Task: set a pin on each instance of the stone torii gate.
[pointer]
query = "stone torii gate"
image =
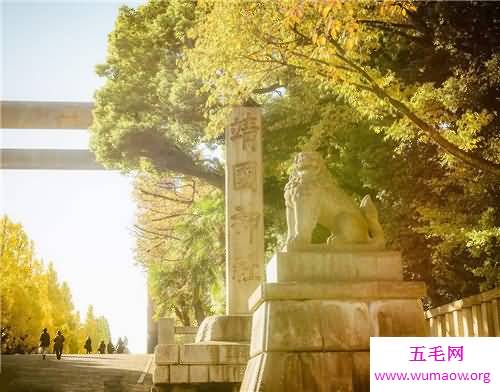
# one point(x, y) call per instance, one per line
point(54, 116)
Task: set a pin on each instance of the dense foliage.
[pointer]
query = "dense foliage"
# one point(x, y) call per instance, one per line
point(401, 98)
point(95, 327)
point(32, 298)
point(148, 115)
point(180, 240)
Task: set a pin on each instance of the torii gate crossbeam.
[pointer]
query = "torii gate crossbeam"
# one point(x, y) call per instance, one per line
point(46, 115)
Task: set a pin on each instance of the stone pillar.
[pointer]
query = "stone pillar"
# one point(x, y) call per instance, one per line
point(152, 326)
point(244, 208)
point(166, 330)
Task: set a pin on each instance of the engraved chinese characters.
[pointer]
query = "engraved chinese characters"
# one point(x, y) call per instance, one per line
point(244, 222)
point(245, 125)
point(243, 272)
point(245, 176)
point(244, 208)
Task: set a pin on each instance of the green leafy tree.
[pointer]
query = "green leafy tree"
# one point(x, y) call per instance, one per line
point(147, 115)
point(399, 97)
point(354, 49)
point(421, 74)
point(180, 240)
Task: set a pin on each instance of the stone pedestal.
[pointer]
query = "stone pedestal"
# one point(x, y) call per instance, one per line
point(200, 363)
point(313, 319)
point(217, 359)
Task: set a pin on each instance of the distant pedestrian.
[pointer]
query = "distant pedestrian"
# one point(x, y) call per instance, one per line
point(44, 343)
point(58, 344)
point(102, 347)
point(119, 346)
point(125, 345)
point(111, 348)
point(88, 345)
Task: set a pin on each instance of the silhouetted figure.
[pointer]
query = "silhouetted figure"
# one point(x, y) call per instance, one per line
point(18, 348)
point(21, 347)
point(125, 345)
point(119, 346)
point(44, 343)
point(111, 348)
point(102, 347)
point(58, 344)
point(88, 345)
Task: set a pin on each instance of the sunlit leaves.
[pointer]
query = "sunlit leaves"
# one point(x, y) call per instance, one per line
point(32, 296)
point(419, 78)
point(346, 47)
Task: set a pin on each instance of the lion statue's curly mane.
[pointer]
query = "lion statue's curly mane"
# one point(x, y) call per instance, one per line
point(312, 196)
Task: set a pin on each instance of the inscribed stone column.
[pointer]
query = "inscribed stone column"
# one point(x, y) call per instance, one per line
point(244, 208)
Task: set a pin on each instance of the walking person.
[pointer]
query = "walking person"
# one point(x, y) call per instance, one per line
point(44, 343)
point(102, 347)
point(58, 344)
point(125, 345)
point(111, 348)
point(119, 346)
point(88, 345)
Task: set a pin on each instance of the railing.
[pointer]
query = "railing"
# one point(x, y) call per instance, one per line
point(478, 315)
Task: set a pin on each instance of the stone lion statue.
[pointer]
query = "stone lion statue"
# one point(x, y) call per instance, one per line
point(312, 196)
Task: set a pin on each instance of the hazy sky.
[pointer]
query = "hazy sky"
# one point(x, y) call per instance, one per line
point(80, 220)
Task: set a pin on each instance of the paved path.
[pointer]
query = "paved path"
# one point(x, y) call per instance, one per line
point(75, 373)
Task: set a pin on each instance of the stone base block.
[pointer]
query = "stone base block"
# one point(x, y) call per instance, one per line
point(316, 337)
point(161, 374)
point(220, 364)
point(310, 371)
point(198, 374)
point(179, 374)
point(202, 353)
point(225, 329)
point(166, 354)
point(364, 291)
point(214, 353)
point(332, 325)
point(317, 267)
point(226, 373)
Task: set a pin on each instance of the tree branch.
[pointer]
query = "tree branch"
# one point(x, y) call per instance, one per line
point(156, 233)
point(468, 158)
point(152, 194)
point(153, 145)
point(388, 24)
point(268, 89)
